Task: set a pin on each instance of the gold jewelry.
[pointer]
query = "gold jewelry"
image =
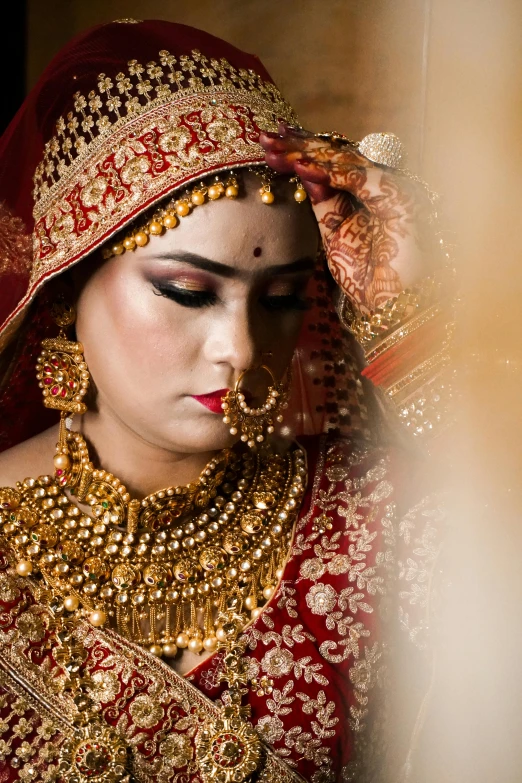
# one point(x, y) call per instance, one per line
point(268, 177)
point(370, 328)
point(158, 585)
point(167, 217)
point(61, 369)
point(250, 421)
point(385, 149)
point(63, 377)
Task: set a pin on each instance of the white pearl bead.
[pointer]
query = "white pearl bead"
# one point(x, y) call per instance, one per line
point(24, 568)
point(210, 643)
point(71, 603)
point(97, 618)
point(182, 641)
point(195, 644)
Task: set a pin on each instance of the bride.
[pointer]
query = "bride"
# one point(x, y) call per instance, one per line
point(207, 536)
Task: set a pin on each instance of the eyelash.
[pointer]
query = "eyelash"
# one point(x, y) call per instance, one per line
point(199, 299)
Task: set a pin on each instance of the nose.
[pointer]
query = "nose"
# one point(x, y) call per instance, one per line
point(233, 342)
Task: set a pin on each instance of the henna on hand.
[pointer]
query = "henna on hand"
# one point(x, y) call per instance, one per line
point(369, 216)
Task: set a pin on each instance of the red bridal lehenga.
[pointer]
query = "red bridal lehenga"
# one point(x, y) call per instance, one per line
point(129, 114)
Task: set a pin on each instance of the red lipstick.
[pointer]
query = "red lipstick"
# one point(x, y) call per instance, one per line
point(212, 401)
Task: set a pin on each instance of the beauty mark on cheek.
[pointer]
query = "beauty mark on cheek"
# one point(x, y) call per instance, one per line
point(257, 252)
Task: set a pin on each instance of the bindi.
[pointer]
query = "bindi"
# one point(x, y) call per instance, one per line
point(257, 252)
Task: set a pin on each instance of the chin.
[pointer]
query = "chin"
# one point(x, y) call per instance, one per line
point(199, 436)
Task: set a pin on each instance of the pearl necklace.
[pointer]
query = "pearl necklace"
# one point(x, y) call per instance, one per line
point(186, 552)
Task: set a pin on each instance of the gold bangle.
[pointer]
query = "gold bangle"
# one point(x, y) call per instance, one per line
point(370, 328)
point(419, 374)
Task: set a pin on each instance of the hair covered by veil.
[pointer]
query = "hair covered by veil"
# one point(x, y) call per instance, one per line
point(125, 115)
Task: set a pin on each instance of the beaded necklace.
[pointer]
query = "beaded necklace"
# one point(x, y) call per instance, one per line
point(216, 545)
point(158, 570)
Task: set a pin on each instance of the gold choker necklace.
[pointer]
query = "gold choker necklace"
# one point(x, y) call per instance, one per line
point(158, 570)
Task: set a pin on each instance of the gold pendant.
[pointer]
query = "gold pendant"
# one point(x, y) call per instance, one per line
point(97, 755)
point(228, 751)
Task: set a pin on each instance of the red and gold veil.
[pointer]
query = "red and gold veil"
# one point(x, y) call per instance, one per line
point(126, 114)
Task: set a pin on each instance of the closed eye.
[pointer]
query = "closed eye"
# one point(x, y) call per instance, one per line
point(204, 298)
point(186, 297)
point(292, 301)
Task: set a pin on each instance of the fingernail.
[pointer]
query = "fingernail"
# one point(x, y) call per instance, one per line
point(294, 130)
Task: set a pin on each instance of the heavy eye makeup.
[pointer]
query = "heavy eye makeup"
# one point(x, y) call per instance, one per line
point(186, 290)
point(275, 296)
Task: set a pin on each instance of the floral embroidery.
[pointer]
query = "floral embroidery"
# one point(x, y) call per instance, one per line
point(9, 592)
point(106, 686)
point(271, 728)
point(277, 662)
point(31, 626)
point(177, 749)
point(420, 529)
point(321, 599)
point(339, 564)
point(146, 712)
point(312, 569)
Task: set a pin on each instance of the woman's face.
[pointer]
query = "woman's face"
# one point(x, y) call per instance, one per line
point(183, 316)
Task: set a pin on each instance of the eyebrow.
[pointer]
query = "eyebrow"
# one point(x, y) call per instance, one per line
point(305, 264)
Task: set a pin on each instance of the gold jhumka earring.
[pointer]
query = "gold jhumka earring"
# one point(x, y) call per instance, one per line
point(64, 379)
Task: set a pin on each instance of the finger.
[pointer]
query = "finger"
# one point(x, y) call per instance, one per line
point(315, 181)
point(282, 163)
point(294, 131)
point(273, 141)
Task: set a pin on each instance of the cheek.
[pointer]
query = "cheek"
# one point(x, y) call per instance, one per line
point(130, 333)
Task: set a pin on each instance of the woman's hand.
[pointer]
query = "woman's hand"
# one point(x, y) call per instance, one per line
point(370, 217)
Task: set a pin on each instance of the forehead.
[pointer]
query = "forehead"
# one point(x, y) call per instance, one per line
point(245, 233)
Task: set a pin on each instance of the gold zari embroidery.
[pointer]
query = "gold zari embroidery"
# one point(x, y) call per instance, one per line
point(138, 137)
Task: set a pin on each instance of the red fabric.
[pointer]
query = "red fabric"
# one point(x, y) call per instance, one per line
point(319, 638)
point(102, 49)
point(400, 359)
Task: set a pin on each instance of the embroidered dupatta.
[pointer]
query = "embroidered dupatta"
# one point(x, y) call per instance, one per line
point(323, 640)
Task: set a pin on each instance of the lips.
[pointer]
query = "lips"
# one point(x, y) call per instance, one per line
point(212, 401)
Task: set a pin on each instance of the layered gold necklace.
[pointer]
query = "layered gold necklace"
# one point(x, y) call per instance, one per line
point(161, 569)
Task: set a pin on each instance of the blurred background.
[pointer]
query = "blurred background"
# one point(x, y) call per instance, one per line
point(445, 76)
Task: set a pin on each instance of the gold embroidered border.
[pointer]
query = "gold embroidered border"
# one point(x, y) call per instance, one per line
point(27, 680)
point(120, 97)
point(142, 161)
point(275, 769)
point(11, 681)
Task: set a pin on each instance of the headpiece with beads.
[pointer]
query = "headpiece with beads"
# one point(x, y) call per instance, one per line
point(167, 215)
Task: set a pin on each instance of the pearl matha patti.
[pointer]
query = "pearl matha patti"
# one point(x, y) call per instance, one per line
point(168, 215)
